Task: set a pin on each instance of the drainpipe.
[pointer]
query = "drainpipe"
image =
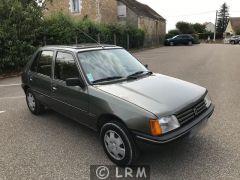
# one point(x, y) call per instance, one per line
point(98, 10)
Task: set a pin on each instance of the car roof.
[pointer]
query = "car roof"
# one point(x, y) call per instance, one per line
point(80, 47)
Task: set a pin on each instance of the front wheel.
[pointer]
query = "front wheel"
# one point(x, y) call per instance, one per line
point(190, 43)
point(33, 104)
point(118, 144)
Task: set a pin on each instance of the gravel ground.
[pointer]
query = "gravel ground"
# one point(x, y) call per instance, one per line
point(53, 147)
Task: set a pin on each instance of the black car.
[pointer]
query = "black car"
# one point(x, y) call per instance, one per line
point(184, 39)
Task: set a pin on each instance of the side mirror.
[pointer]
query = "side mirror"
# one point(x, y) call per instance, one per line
point(146, 66)
point(75, 82)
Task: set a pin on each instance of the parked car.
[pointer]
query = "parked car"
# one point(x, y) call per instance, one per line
point(184, 39)
point(234, 40)
point(111, 92)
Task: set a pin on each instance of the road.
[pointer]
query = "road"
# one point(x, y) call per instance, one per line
point(53, 147)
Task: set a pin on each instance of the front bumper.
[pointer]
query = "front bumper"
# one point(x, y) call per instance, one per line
point(176, 133)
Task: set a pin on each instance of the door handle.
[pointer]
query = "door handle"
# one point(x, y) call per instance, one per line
point(54, 88)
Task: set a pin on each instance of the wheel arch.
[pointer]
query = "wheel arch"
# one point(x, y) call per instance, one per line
point(105, 118)
point(25, 88)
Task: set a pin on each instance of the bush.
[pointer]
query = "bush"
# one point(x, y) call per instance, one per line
point(62, 29)
point(19, 25)
point(22, 30)
point(204, 36)
point(238, 32)
point(172, 33)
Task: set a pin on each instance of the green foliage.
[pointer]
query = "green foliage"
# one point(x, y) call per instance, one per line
point(199, 28)
point(172, 33)
point(204, 36)
point(62, 29)
point(20, 22)
point(23, 29)
point(238, 32)
point(223, 18)
point(185, 28)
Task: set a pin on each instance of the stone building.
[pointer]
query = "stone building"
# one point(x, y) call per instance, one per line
point(132, 12)
point(129, 12)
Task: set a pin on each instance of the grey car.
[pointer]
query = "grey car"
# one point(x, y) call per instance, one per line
point(111, 92)
point(234, 40)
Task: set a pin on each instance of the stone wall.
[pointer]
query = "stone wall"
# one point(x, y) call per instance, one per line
point(97, 10)
point(155, 30)
point(131, 18)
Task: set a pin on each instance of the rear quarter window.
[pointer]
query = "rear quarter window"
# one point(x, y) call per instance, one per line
point(42, 63)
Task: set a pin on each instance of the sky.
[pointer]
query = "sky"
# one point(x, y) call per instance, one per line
point(191, 10)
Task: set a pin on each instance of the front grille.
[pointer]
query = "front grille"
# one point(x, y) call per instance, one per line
point(192, 112)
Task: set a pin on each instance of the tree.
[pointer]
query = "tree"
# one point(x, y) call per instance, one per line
point(20, 22)
point(223, 18)
point(199, 28)
point(185, 28)
point(172, 33)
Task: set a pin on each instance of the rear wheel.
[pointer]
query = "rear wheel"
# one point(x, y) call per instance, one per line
point(33, 104)
point(171, 43)
point(232, 42)
point(118, 144)
point(190, 43)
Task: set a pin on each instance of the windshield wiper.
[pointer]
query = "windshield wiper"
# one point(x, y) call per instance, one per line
point(107, 79)
point(135, 75)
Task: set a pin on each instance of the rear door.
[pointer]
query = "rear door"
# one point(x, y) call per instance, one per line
point(40, 76)
point(71, 101)
point(185, 39)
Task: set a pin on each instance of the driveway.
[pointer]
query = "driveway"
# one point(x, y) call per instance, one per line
point(53, 147)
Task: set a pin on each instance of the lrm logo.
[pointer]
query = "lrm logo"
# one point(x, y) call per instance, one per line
point(106, 172)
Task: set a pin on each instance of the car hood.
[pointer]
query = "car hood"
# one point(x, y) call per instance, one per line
point(159, 94)
point(169, 39)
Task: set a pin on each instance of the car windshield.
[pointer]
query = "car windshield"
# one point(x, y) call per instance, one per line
point(109, 64)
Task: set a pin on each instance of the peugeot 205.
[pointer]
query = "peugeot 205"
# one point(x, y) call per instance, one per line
point(110, 91)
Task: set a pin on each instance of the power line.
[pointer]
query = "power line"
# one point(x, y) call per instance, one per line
point(206, 12)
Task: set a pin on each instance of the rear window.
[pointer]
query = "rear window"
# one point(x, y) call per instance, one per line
point(43, 63)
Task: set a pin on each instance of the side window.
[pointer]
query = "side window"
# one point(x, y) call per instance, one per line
point(65, 66)
point(45, 63)
point(35, 63)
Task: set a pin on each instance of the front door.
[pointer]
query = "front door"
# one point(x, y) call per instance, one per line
point(71, 101)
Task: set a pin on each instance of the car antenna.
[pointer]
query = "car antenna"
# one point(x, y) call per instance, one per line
point(91, 38)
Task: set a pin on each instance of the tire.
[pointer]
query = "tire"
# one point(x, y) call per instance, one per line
point(232, 42)
point(33, 104)
point(118, 144)
point(171, 43)
point(190, 43)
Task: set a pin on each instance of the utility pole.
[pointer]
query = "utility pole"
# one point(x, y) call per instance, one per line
point(215, 29)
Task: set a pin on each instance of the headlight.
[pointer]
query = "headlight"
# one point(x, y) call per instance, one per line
point(168, 124)
point(208, 100)
point(163, 125)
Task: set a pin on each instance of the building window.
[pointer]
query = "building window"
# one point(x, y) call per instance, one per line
point(76, 6)
point(122, 10)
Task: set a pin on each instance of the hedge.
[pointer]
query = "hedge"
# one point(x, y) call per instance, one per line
point(61, 29)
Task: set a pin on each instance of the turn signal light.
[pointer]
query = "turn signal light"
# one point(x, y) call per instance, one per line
point(155, 127)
